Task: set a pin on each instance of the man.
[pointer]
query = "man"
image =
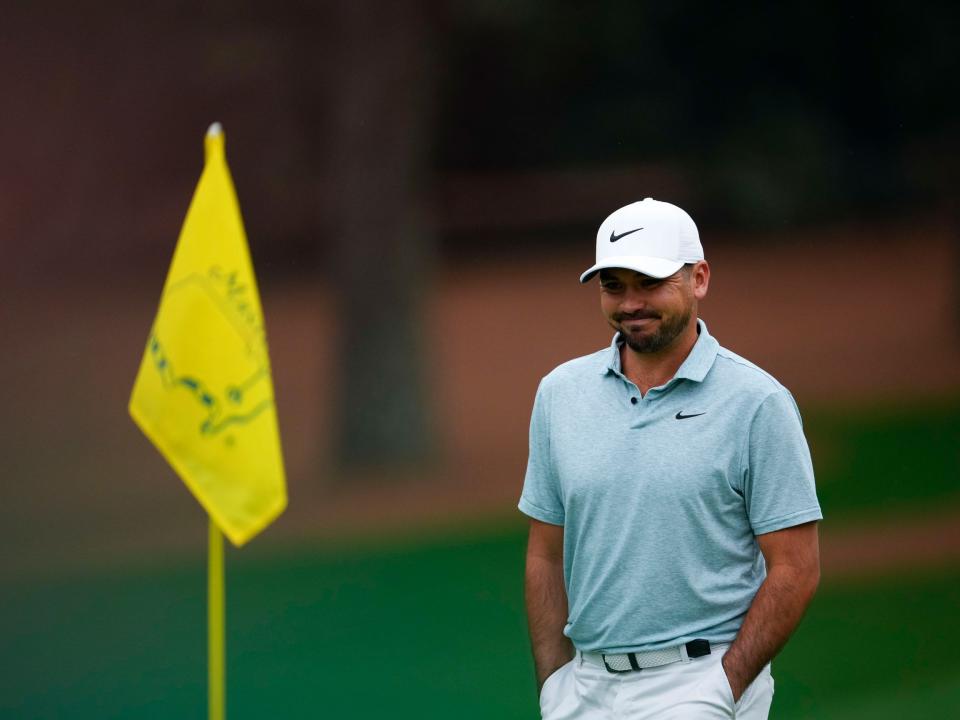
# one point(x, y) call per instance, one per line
point(673, 537)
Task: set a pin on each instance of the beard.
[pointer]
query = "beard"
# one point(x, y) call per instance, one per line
point(652, 341)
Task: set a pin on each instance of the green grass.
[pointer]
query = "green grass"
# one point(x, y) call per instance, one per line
point(424, 629)
point(880, 650)
point(886, 461)
point(434, 627)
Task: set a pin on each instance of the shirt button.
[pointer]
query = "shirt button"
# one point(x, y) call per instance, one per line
point(633, 400)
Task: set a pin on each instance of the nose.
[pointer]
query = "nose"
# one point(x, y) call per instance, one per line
point(633, 299)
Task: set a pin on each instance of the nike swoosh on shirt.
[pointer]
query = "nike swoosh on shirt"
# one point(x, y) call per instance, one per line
point(681, 416)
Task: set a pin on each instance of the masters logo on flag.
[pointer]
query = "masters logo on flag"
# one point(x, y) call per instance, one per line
point(204, 394)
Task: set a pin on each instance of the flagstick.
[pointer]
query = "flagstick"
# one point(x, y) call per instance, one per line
point(215, 625)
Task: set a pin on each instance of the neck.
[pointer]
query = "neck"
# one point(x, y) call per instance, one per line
point(649, 370)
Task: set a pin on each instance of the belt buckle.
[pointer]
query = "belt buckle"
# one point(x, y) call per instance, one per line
point(697, 648)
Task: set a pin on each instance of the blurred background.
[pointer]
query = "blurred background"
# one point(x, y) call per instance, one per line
point(421, 184)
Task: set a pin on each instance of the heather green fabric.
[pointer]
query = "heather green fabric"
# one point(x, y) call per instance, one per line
point(661, 496)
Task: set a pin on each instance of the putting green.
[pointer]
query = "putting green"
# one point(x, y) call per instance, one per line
point(417, 629)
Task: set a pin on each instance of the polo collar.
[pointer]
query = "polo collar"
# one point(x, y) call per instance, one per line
point(695, 367)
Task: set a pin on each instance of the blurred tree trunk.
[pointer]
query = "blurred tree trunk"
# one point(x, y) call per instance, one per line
point(383, 242)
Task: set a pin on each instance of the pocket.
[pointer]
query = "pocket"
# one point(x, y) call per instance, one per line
point(764, 676)
point(550, 682)
point(727, 690)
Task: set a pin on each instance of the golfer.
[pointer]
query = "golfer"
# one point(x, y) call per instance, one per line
point(673, 515)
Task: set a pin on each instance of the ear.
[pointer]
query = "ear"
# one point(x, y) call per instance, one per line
point(700, 278)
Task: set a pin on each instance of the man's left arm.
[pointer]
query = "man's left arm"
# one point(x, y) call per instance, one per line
point(792, 556)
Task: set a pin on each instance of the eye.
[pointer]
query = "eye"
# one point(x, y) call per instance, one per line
point(611, 286)
point(651, 283)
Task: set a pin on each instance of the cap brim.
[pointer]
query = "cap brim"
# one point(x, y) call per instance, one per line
point(652, 266)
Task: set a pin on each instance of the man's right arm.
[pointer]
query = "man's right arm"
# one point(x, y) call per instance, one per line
point(546, 599)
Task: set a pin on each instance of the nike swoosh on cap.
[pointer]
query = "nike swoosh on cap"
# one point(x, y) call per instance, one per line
point(614, 237)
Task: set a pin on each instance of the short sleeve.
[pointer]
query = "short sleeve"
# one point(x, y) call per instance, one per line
point(541, 498)
point(778, 484)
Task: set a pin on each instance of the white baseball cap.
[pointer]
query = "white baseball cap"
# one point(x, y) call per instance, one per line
point(652, 237)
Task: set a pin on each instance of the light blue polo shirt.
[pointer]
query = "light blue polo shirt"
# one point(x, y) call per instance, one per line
point(661, 496)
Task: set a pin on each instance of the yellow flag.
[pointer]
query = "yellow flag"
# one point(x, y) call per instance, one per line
point(204, 393)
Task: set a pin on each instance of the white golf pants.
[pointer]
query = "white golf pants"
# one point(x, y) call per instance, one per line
point(690, 690)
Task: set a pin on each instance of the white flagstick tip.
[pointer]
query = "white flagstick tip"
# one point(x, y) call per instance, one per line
point(215, 129)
